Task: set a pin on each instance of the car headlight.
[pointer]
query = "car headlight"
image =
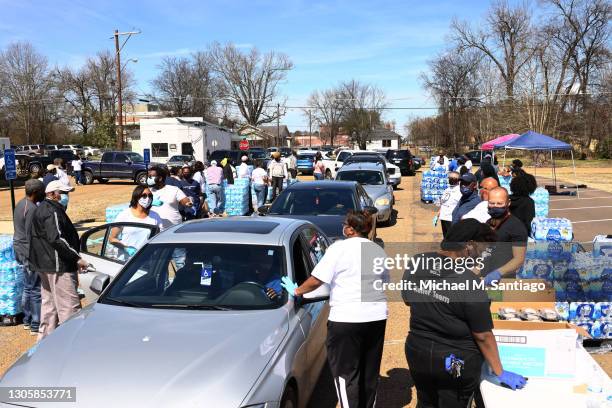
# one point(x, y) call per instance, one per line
point(382, 201)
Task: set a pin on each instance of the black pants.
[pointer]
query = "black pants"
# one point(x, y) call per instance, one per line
point(445, 227)
point(435, 387)
point(354, 351)
point(277, 186)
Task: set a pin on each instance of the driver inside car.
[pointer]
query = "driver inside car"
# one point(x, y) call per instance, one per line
point(270, 279)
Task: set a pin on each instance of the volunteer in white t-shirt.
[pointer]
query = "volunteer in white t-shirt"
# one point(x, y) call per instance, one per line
point(77, 166)
point(166, 199)
point(358, 311)
point(128, 240)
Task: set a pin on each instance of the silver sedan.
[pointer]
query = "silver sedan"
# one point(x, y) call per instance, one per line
point(197, 318)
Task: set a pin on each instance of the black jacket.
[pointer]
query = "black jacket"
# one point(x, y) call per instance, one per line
point(54, 245)
point(523, 208)
point(228, 174)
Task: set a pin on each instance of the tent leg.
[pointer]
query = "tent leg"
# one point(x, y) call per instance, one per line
point(552, 169)
point(575, 175)
point(504, 161)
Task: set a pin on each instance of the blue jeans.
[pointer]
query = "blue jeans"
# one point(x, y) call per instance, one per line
point(318, 176)
point(77, 177)
point(215, 196)
point(261, 191)
point(30, 300)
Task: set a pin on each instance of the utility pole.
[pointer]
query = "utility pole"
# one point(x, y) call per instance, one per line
point(310, 128)
point(119, 88)
point(278, 125)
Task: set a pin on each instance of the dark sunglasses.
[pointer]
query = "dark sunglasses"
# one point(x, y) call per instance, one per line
point(146, 195)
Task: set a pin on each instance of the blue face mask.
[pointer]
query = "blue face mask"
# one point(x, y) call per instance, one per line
point(64, 200)
point(465, 191)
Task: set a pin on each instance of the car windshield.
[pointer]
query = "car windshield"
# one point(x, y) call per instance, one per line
point(306, 156)
point(258, 154)
point(135, 157)
point(369, 177)
point(328, 201)
point(201, 276)
point(400, 154)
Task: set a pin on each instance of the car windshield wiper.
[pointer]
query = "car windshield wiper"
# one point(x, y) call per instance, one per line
point(198, 307)
point(123, 302)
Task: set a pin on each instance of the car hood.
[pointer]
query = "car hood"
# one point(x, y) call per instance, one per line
point(375, 191)
point(121, 356)
point(330, 224)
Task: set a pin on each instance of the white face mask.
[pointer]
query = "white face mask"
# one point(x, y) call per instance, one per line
point(150, 181)
point(145, 202)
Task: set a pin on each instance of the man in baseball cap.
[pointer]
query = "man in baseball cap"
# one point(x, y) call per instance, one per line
point(54, 255)
point(50, 175)
point(468, 185)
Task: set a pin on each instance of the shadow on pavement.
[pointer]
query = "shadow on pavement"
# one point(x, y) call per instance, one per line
point(394, 389)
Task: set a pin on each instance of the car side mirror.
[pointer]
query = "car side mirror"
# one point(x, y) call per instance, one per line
point(263, 210)
point(320, 294)
point(99, 283)
point(370, 210)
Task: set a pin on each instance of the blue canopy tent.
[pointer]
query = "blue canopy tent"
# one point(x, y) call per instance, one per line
point(534, 141)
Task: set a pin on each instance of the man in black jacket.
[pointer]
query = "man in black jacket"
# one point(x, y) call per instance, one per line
point(54, 255)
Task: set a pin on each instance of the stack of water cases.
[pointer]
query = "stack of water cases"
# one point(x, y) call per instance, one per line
point(594, 317)
point(11, 278)
point(237, 197)
point(113, 211)
point(541, 199)
point(286, 184)
point(433, 184)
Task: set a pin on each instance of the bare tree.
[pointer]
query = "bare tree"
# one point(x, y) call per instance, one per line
point(363, 108)
point(26, 84)
point(250, 80)
point(75, 85)
point(505, 40)
point(328, 110)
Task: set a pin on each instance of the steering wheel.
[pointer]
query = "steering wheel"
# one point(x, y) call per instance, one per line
point(254, 288)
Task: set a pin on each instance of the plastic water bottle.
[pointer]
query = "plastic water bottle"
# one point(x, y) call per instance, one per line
point(595, 395)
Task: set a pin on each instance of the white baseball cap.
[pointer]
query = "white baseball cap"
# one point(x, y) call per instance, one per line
point(56, 185)
point(51, 167)
point(244, 158)
point(213, 163)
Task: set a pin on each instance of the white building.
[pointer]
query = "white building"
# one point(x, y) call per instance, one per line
point(382, 139)
point(187, 135)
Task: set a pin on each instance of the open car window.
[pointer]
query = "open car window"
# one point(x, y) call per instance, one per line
point(202, 276)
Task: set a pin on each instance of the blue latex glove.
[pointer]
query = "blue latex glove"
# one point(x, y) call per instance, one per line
point(157, 203)
point(512, 380)
point(435, 220)
point(491, 277)
point(289, 285)
point(130, 250)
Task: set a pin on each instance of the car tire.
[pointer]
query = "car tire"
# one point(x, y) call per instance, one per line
point(35, 168)
point(141, 178)
point(289, 399)
point(103, 180)
point(88, 177)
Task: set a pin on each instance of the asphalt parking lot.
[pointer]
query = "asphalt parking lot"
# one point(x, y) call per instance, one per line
point(412, 223)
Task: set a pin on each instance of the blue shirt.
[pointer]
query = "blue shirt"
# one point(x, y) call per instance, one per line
point(453, 165)
point(192, 189)
point(465, 205)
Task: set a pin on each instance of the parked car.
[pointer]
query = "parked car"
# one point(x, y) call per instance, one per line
point(120, 165)
point(52, 147)
point(91, 151)
point(392, 171)
point(323, 203)
point(373, 178)
point(179, 160)
point(476, 156)
point(305, 161)
point(403, 159)
point(236, 155)
point(418, 162)
point(204, 331)
point(76, 149)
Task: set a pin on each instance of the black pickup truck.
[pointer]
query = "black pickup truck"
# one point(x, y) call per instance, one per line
point(33, 164)
point(116, 165)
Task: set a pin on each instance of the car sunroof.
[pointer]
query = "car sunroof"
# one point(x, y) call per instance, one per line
point(245, 227)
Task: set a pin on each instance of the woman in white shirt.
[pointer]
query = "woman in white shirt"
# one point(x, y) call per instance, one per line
point(358, 311)
point(128, 240)
point(259, 179)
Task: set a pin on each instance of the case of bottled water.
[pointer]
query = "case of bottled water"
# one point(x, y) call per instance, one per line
point(433, 184)
point(237, 197)
point(541, 198)
point(551, 229)
point(11, 278)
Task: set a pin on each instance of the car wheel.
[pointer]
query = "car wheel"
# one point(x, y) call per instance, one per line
point(141, 178)
point(88, 177)
point(328, 174)
point(289, 399)
point(35, 168)
point(103, 180)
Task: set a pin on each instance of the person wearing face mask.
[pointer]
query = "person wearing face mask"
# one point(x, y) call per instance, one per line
point(54, 255)
point(451, 334)
point(449, 200)
point(129, 239)
point(469, 196)
point(481, 211)
point(509, 253)
point(358, 311)
point(166, 199)
point(191, 188)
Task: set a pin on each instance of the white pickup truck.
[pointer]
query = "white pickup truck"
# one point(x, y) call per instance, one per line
point(333, 164)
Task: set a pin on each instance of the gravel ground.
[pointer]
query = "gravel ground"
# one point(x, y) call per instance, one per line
point(413, 220)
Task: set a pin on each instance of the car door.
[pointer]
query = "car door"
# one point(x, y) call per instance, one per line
point(313, 316)
point(106, 164)
point(103, 256)
point(122, 166)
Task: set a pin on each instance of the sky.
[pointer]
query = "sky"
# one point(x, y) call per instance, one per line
point(385, 43)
